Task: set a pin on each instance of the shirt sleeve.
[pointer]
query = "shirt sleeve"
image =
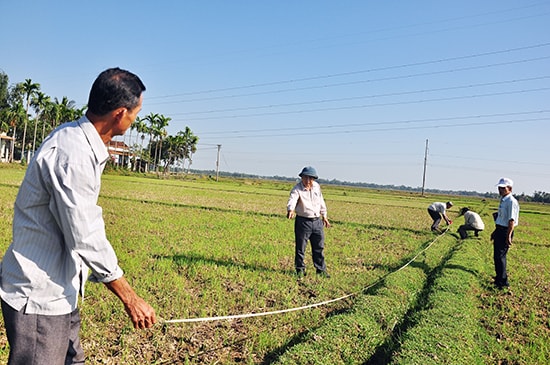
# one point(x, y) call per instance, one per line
point(293, 199)
point(323, 210)
point(75, 191)
point(515, 212)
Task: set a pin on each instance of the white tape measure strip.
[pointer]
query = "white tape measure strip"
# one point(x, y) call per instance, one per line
point(260, 314)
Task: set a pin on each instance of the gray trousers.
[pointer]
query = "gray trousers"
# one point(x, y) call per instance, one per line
point(436, 216)
point(306, 229)
point(38, 339)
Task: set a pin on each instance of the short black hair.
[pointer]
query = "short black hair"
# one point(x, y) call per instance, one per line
point(114, 88)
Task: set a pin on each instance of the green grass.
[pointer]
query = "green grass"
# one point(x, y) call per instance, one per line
point(197, 248)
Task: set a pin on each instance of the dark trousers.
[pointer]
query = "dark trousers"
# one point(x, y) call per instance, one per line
point(312, 230)
point(462, 230)
point(436, 216)
point(38, 339)
point(500, 249)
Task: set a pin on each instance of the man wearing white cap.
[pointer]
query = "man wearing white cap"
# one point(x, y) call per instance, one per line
point(506, 220)
point(438, 211)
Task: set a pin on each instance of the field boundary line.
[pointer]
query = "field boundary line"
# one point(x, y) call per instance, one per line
point(309, 306)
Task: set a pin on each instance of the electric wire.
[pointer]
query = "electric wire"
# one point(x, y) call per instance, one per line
point(348, 83)
point(349, 73)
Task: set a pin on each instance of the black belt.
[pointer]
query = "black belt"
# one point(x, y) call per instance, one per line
point(498, 226)
point(308, 219)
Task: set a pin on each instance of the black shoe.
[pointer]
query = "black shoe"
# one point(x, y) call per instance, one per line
point(323, 273)
point(502, 286)
point(300, 273)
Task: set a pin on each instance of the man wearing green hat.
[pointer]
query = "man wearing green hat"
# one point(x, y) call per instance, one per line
point(307, 205)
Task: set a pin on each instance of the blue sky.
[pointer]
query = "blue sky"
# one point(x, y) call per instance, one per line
point(354, 88)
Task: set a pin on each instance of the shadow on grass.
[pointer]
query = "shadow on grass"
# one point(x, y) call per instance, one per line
point(189, 260)
point(260, 214)
point(371, 289)
point(384, 352)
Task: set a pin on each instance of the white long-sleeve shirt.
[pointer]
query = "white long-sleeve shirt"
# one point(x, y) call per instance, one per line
point(473, 219)
point(307, 203)
point(58, 228)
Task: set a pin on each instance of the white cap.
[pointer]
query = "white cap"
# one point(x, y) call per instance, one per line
point(504, 181)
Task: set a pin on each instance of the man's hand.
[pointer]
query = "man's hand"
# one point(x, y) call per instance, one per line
point(508, 241)
point(290, 214)
point(141, 314)
point(326, 223)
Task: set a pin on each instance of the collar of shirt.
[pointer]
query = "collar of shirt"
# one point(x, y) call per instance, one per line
point(98, 147)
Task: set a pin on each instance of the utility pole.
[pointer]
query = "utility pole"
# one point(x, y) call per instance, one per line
point(425, 161)
point(218, 162)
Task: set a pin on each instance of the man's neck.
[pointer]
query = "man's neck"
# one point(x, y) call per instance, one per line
point(102, 125)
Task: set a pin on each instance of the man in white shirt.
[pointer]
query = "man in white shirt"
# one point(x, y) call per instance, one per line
point(438, 211)
point(307, 205)
point(472, 222)
point(506, 221)
point(59, 232)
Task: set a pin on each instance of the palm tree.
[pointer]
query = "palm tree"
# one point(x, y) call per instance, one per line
point(16, 114)
point(151, 118)
point(67, 110)
point(189, 145)
point(138, 125)
point(29, 89)
point(180, 148)
point(4, 126)
point(142, 129)
point(40, 103)
point(162, 123)
point(50, 116)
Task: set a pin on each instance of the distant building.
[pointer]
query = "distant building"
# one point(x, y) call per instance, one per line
point(6, 148)
point(120, 153)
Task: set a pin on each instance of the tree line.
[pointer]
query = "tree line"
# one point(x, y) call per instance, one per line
point(27, 116)
point(537, 197)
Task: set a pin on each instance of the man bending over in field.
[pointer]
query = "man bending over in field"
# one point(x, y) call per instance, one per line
point(438, 211)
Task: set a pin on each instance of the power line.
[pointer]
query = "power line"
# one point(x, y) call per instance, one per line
point(349, 73)
point(350, 98)
point(373, 105)
point(355, 131)
point(405, 121)
point(490, 160)
point(390, 78)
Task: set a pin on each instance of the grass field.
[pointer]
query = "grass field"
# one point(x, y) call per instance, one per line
point(196, 248)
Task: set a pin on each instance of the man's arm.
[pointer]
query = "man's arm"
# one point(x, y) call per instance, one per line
point(291, 204)
point(141, 313)
point(510, 231)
